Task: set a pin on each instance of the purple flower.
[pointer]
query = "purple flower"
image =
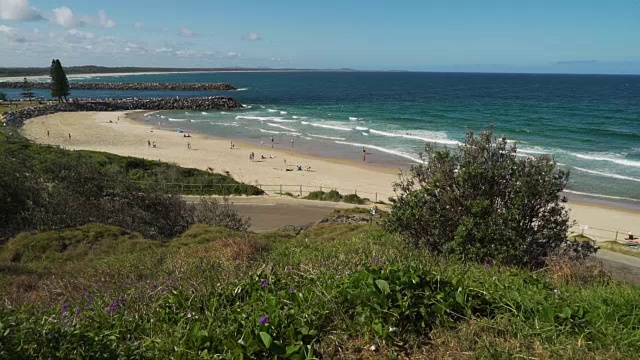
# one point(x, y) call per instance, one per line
point(78, 311)
point(264, 283)
point(114, 306)
point(163, 290)
point(154, 286)
point(488, 265)
point(264, 320)
point(64, 308)
point(89, 299)
point(292, 289)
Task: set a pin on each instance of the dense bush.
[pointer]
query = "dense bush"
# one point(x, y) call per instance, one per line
point(484, 203)
point(211, 212)
point(45, 188)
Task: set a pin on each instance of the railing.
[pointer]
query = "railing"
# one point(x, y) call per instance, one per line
point(599, 234)
point(279, 189)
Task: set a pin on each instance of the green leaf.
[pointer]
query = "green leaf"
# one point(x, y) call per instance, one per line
point(383, 286)
point(266, 339)
point(548, 312)
point(292, 349)
point(377, 328)
point(278, 349)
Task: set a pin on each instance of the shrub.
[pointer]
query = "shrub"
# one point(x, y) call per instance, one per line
point(483, 203)
point(211, 212)
point(354, 199)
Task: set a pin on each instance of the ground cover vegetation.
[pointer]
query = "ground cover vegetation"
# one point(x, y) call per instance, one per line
point(371, 290)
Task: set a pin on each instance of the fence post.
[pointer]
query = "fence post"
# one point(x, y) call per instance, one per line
point(616, 235)
point(376, 197)
point(320, 188)
point(280, 189)
point(300, 190)
point(355, 192)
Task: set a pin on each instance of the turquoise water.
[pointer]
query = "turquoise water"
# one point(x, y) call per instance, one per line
point(588, 123)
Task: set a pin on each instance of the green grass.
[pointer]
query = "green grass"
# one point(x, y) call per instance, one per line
point(335, 196)
point(53, 160)
point(334, 290)
point(619, 248)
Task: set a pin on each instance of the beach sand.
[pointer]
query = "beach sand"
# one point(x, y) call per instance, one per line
point(93, 131)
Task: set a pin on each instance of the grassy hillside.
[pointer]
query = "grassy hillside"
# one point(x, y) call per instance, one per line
point(349, 291)
point(50, 161)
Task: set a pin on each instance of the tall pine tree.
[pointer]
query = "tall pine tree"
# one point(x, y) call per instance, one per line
point(59, 81)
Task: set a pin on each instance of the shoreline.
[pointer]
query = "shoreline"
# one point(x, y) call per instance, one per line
point(129, 136)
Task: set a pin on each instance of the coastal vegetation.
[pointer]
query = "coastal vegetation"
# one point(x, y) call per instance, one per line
point(345, 291)
point(44, 187)
point(485, 204)
point(333, 195)
point(104, 259)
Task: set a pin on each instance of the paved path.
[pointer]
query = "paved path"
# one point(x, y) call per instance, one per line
point(273, 212)
point(621, 266)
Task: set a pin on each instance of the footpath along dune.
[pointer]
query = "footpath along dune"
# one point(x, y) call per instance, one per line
point(93, 131)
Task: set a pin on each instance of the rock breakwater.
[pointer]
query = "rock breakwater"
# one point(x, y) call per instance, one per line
point(18, 117)
point(126, 86)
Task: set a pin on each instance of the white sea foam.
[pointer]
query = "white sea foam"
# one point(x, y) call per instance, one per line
point(272, 110)
point(247, 106)
point(172, 119)
point(327, 137)
point(300, 117)
point(423, 135)
point(607, 157)
point(223, 112)
point(365, 134)
point(204, 113)
point(611, 175)
point(600, 195)
point(284, 120)
point(327, 126)
point(355, 118)
point(224, 124)
point(362, 128)
point(385, 150)
point(283, 113)
point(281, 127)
point(533, 151)
point(150, 113)
point(242, 89)
point(259, 118)
point(269, 131)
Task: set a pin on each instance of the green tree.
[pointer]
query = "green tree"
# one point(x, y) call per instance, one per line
point(3, 96)
point(483, 203)
point(27, 93)
point(59, 82)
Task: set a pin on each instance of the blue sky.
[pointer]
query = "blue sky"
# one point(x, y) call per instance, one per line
point(493, 35)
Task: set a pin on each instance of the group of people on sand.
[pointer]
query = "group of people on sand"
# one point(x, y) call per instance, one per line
point(252, 157)
point(149, 144)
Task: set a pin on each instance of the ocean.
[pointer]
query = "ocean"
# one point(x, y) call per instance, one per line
point(589, 123)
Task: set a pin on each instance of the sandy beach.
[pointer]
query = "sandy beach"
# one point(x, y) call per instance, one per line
point(104, 132)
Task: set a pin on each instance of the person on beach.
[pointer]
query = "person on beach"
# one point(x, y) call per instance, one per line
point(272, 142)
point(47, 133)
point(154, 144)
point(631, 237)
point(261, 143)
point(189, 145)
point(148, 143)
point(69, 135)
point(291, 144)
point(364, 154)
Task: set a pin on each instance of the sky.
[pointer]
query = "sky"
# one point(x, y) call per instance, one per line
point(560, 36)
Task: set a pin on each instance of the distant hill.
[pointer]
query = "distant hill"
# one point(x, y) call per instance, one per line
point(93, 69)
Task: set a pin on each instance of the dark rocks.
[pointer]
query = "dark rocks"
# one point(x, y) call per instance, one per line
point(294, 229)
point(126, 86)
point(18, 117)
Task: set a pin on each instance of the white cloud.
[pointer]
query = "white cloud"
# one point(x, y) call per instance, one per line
point(80, 34)
point(138, 25)
point(187, 33)
point(233, 54)
point(252, 37)
point(63, 16)
point(8, 30)
point(104, 21)
point(18, 10)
